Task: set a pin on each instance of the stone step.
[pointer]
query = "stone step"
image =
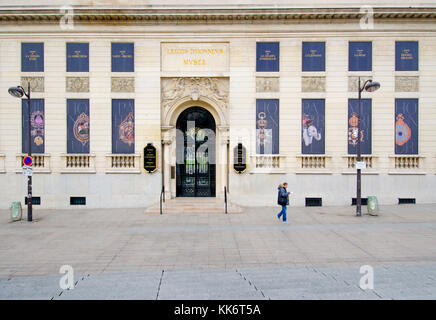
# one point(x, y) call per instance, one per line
point(194, 205)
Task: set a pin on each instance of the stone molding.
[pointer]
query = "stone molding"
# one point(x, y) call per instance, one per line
point(77, 84)
point(313, 84)
point(123, 84)
point(174, 90)
point(406, 84)
point(36, 83)
point(201, 15)
point(264, 84)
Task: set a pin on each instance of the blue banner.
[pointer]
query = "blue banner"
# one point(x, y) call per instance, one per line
point(267, 126)
point(123, 126)
point(406, 126)
point(77, 57)
point(313, 126)
point(37, 125)
point(406, 55)
point(123, 57)
point(78, 126)
point(267, 56)
point(313, 56)
point(32, 57)
point(359, 56)
point(365, 126)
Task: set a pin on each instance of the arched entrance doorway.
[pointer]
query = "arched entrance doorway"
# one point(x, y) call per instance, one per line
point(195, 153)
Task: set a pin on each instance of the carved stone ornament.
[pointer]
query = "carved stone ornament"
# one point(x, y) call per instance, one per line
point(174, 89)
point(406, 84)
point(123, 84)
point(313, 84)
point(36, 83)
point(352, 83)
point(77, 84)
point(264, 84)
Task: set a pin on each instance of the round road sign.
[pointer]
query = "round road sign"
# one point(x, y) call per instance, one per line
point(27, 161)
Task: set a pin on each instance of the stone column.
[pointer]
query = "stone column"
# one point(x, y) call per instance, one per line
point(222, 164)
point(166, 144)
point(167, 167)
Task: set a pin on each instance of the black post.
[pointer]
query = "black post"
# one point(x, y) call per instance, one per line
point(358, 197)
point(225, 197)
point(29, 153)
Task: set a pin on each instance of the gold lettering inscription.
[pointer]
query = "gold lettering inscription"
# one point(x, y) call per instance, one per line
point(360, 53)
point(77, 55)
point(122, 55)
point(32, 56)
point(195, 62)
point(406, 55)
point(313, 54)
point(268, 56)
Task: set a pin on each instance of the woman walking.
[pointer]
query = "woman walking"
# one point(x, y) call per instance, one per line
point(283, 200)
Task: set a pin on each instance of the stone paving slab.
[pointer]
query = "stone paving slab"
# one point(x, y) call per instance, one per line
point(124, 252)
point(246, 283)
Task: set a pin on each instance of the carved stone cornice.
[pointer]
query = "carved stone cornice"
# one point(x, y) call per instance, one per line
point(194, 88)
point(211, 15)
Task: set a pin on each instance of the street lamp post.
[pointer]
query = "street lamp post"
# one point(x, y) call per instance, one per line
point(19, 92)
point(369, 86)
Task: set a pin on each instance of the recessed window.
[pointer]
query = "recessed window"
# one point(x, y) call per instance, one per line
point(77, 201)
point(35, 201)
point(313, 202)
point(406, 201)
point(363, 201)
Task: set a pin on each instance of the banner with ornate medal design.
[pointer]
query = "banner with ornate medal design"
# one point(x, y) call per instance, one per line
point(78, 126)
point(267, 126)
point(406, 126)
point(37, 125)
point(365, 126)
point(123, 126)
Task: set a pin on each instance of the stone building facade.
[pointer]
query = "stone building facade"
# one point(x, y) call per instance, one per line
point(262, 76)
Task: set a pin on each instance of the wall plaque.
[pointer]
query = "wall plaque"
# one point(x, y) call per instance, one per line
point(123, 57)
point(267, 56)
point(32, 57)
point(359, 56)
point(240, 159)
point(77, 57)
point(313, 56)
point(406, 56)
point(150, 158)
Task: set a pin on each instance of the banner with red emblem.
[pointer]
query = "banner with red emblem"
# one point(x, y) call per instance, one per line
point(123, 126)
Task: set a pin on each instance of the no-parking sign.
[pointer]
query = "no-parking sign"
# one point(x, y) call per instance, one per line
point(27, 161)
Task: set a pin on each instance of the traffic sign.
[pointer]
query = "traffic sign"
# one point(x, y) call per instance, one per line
point(27, 171)
point(27, 161)
point(360, 165)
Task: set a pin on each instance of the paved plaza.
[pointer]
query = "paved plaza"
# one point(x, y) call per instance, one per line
point(130, 254)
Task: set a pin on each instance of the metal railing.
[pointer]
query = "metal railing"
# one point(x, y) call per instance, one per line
point(225, 197)
point(162, 197)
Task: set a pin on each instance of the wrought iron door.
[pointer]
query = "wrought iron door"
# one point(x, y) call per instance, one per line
point(196, 154)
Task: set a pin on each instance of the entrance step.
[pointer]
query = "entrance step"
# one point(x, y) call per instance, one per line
point(194, 205)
